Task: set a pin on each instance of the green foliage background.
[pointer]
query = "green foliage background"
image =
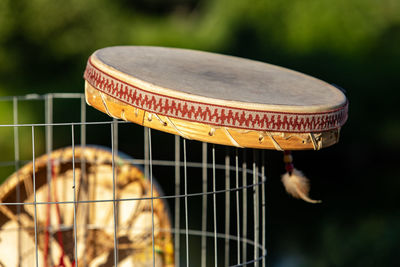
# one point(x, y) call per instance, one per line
point(44, 45)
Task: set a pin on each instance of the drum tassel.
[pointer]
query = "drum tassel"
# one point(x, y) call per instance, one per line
point(294, 181)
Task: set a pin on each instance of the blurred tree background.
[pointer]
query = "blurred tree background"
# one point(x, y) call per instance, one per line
point(44, 45)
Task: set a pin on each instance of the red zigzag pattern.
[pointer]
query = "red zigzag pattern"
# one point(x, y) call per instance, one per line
point(214, 114)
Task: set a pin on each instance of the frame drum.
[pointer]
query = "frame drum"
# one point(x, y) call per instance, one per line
point(215, 98)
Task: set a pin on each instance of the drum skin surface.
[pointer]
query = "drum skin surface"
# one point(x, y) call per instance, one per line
point(215, 98)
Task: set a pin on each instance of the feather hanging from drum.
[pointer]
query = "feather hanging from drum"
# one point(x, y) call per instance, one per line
point(296, 184)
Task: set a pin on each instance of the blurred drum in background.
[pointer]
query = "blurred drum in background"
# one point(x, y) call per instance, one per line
point(87, 180)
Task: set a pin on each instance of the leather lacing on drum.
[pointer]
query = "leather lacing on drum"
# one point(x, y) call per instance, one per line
point(316, 144)
point(105, 106)
point(233, 141)
point(176, 128)
point(276, 145)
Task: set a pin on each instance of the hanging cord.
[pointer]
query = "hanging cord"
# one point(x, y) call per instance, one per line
point(288, 159)
point(296, 184)
point(59, 233)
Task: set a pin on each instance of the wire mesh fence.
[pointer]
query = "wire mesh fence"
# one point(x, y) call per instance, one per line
point(87, 190)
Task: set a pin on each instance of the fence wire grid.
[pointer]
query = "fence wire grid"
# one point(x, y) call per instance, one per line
point(199, 204)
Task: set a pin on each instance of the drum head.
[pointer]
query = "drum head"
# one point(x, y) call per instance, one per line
point(221, 92)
